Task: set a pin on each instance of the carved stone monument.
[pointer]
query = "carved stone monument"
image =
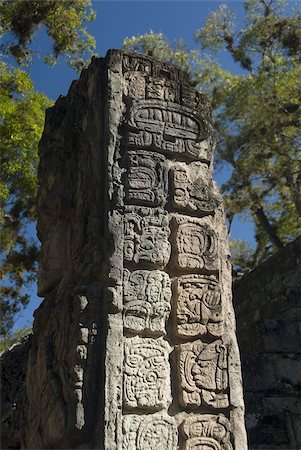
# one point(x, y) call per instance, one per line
point(134, 346)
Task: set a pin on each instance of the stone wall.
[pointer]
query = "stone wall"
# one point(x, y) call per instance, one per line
point(268, 312)
point(134, 345)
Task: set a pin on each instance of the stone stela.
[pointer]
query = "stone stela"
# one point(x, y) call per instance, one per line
point(134, 345)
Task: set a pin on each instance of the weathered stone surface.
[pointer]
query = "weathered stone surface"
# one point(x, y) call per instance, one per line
point(152, 432)
point(108, 367)
point(268, 306)
point(146, 374)
point(192, 189)
point(13, 395)
point(146, 236)
point(203, 374)
point(207, 431)
point(198, 309)
point(196, 244)
point(146, 301)
point(146, 178)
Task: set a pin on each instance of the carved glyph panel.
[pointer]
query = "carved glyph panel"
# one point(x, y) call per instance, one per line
point(196, 245)
point(198, 306)
point(168, 127)
point(203, 373)
point(161, 89)
point(146, 374)
point(135, 86)
point(146, 301)
point(191, 191)
point(207, 432)
point(149, 432)
point(146, 178)
point(146, 236)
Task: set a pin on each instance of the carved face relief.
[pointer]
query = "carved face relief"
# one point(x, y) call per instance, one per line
point(146, 178)
point(196, 245)
point(146, 301)
point(168, 128)
point(203, 374)
point(207, 432)
point(146, 374)
point(192, 192)
point(146, 237)
point(198, 306)
point(160, 89)
point(152, 432)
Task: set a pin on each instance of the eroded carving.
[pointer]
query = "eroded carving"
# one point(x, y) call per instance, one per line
point(135, 85)
point(161, 89)
point(146, 374)
point(207, 432)
point(146, 178)
point(150, 432)
point(168, 127)
point(146, 301)
point(196, 245)
point(191, 191)
point(203, 370)
point(134, 63)
point(198, 306)
point(146, 234)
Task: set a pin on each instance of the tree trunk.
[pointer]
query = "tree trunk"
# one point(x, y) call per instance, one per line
point(268, 228)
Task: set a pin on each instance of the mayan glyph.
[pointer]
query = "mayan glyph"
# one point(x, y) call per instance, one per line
point(134, 344)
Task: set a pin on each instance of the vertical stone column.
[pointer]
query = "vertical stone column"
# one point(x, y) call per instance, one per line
point(135, 343)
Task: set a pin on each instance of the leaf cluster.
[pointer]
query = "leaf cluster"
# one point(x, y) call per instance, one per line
point(64, 22)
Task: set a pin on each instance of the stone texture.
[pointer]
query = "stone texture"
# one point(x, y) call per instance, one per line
point(127, 208)
point(13, 395)
point(268, 307)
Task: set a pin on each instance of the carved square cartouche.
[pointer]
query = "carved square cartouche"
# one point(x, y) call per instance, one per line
point(146, 374)
point(198, 309)
point(146, 299)
point(203, 374)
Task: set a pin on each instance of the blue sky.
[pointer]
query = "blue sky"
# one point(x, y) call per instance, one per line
point(119, 19)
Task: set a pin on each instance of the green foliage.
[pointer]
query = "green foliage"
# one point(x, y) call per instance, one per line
point(157, 46)
point(17, 336)
point(257, 113)
point(22, 120)
point(64, 21)
point(242, 256)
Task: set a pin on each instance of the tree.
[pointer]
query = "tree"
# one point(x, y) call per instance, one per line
point(257, 112)
point(64, 21)
point(22, 120)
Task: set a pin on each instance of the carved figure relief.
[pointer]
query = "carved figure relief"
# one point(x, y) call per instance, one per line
point(196, 245)
point(146, 374)
point(146, 236)
point(146, 301)
point(146, 178)
point(158, 88)
point(135, 85)
point(203, 374)
point(192, 193)
point(207, 432)
point(168, 127)
point(136, 64)
point(150, 432)
point(198, 306)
